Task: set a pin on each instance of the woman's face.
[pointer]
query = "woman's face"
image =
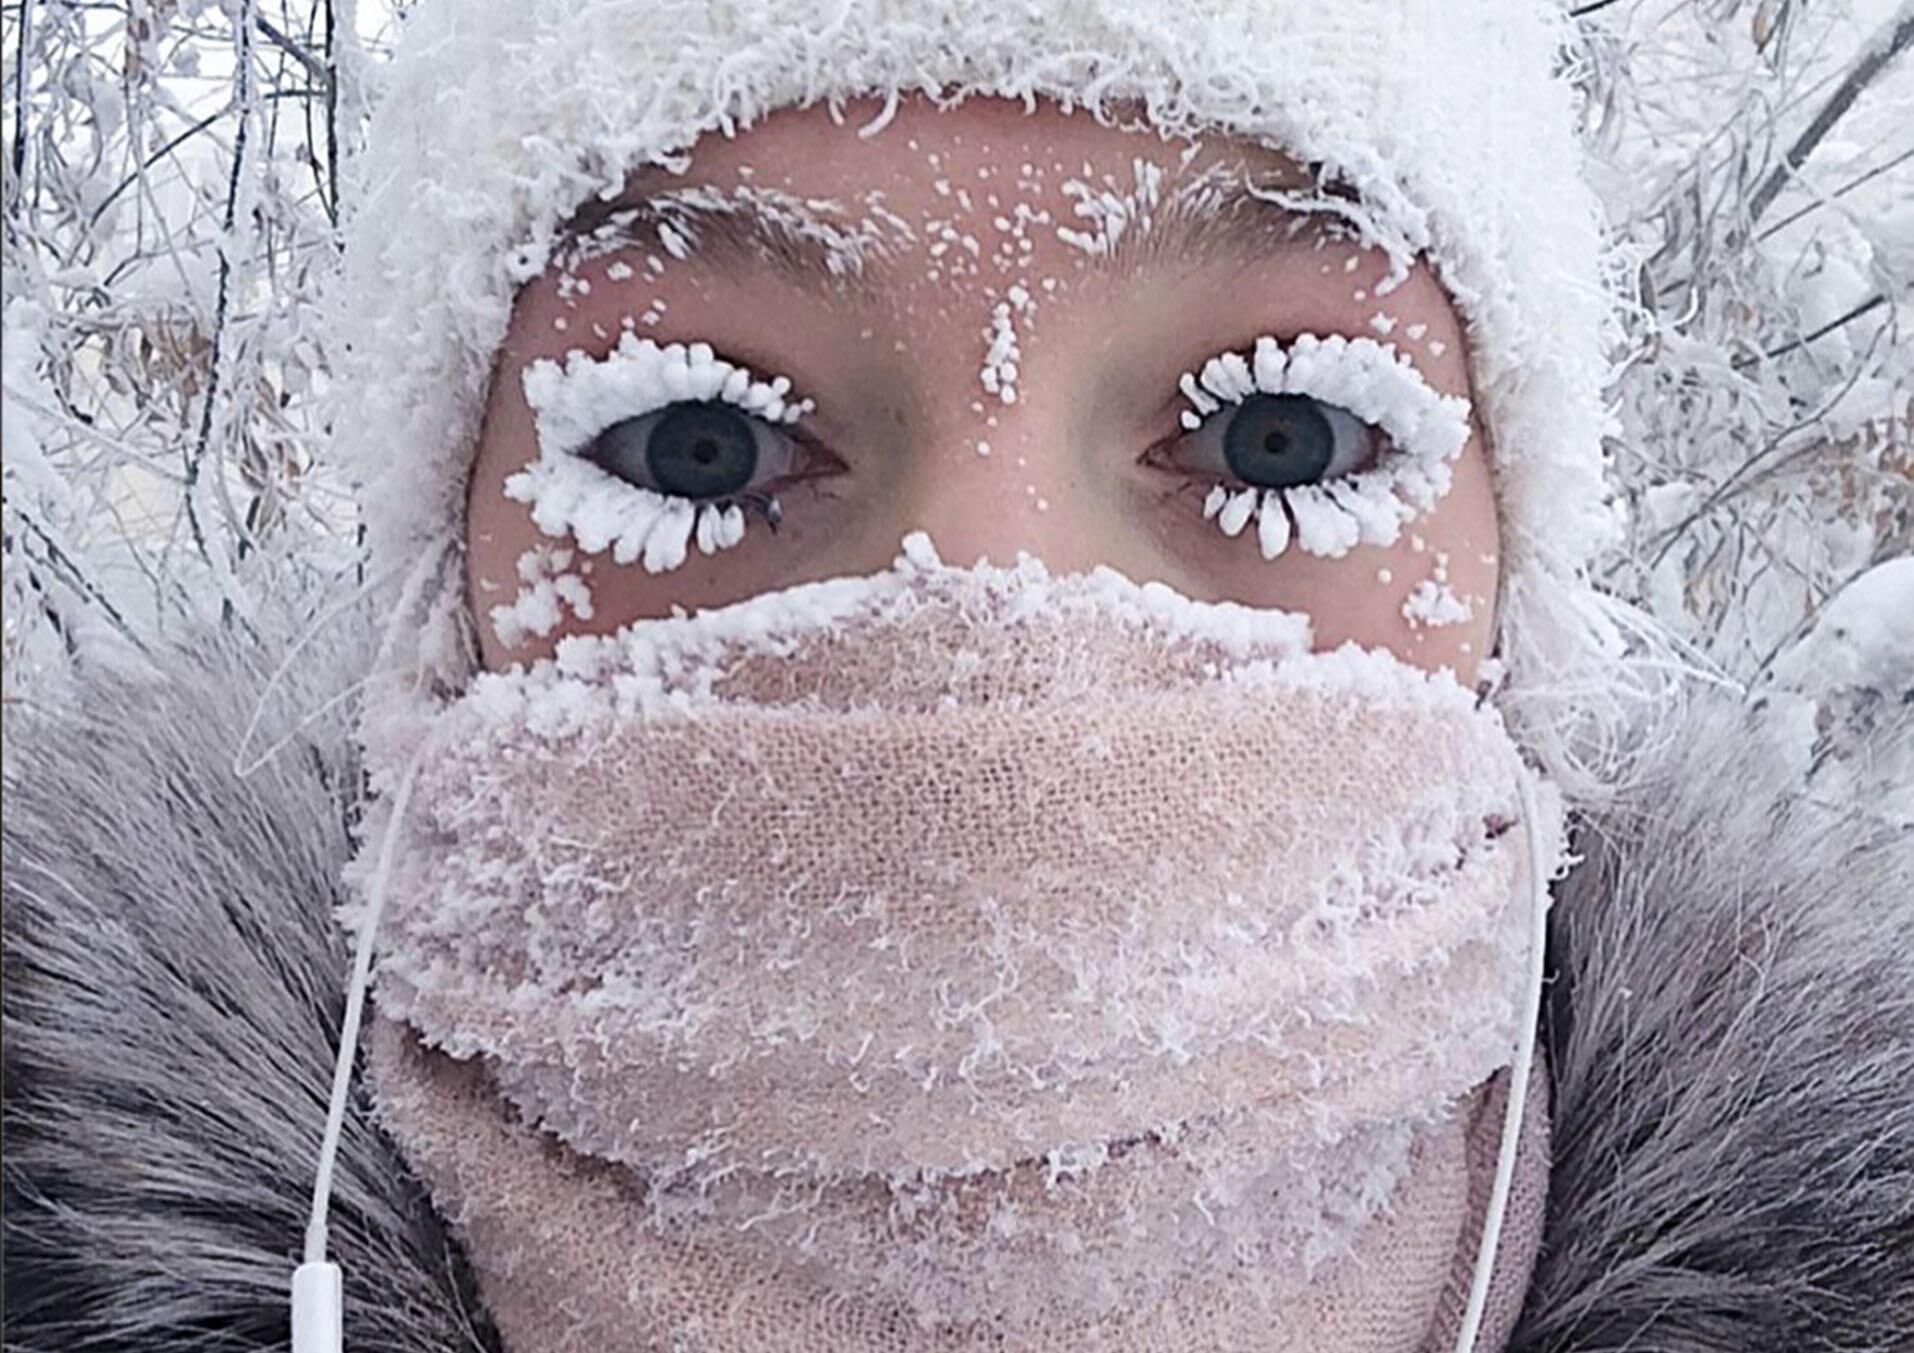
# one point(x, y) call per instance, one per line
point(986, 230)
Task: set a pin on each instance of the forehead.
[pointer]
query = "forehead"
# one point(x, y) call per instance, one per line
point(823, 242)
point(864, 147)
point(876, 200)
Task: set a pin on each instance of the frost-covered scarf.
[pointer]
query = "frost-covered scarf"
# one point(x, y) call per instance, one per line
point(961, 958)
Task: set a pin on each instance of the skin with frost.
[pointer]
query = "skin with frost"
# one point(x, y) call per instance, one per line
point(1088, 462)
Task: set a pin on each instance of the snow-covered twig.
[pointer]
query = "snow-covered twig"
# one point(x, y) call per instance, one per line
point(1892, 39)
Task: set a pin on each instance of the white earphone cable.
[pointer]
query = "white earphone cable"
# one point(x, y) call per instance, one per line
point(317, 1308)
point(1518, 1073)
point(318, 1313)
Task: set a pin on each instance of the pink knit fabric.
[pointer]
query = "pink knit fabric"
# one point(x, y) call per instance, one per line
point(974, 956)
point(566, 1266)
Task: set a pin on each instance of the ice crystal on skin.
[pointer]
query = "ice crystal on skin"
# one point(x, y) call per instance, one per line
point(900, 229)
point(675, 216)
point(1372, 381)
point(999, 373)
point(1112, 213)
point(569, 495)
point(945, 239)
point(674, 242)
point(1432, 603)
point(1336, 218)
point(1016, 229)
point(547, 589)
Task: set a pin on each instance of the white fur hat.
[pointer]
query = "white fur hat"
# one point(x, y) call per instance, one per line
point(1452, 119)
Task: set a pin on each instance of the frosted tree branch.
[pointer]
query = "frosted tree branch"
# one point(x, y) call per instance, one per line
point(1889, 43)
point(176, 169)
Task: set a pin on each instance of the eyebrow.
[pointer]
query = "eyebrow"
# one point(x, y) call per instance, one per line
point(1236, 223)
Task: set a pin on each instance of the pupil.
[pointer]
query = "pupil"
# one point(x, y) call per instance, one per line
point(701, 451)
point(694, 451)
point(1277, 441)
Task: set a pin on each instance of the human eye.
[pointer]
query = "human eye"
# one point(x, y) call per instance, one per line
point(650, 448)
point(1281, 441)
point(1327, 442)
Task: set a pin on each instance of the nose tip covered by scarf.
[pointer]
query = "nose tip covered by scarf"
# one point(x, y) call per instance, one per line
point(955, 946)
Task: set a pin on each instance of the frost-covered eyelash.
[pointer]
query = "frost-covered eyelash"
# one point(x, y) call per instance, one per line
point(571, 404)
point(1375, 382)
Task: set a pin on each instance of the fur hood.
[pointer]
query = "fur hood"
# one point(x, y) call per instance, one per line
point(1730, 1029)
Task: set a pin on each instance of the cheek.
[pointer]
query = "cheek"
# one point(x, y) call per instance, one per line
point(498, 532)
point(1430, 598)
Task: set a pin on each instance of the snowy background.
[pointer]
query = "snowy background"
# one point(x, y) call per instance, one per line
point(172, 179)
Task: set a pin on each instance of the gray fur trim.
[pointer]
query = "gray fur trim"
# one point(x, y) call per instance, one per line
point(1731, 1026)
point(1731, 1035)
point(173, 986)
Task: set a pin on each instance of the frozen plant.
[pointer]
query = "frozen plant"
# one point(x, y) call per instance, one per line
point(1753, 155)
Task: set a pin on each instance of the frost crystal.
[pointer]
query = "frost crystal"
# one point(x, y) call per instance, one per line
point(570, 495)
point(1375, 383)
point(1432, 603)
point(1110, 212)
point(547, 589)
point(999, 373)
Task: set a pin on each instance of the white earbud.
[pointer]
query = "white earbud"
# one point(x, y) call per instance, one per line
point(318, 1302)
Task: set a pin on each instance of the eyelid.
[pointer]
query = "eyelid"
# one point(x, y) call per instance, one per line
point(1370, 381)
point(1345, 466)
point(1374, 381)
point(571, 404)
point(805, 456)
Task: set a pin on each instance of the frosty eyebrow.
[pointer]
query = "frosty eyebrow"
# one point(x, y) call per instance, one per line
point(1232, 224)
point(1229, 225)
point(805, 251)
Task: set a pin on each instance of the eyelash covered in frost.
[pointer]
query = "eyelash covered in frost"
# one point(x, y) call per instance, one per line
point(573, 403)
point(1372, 381)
